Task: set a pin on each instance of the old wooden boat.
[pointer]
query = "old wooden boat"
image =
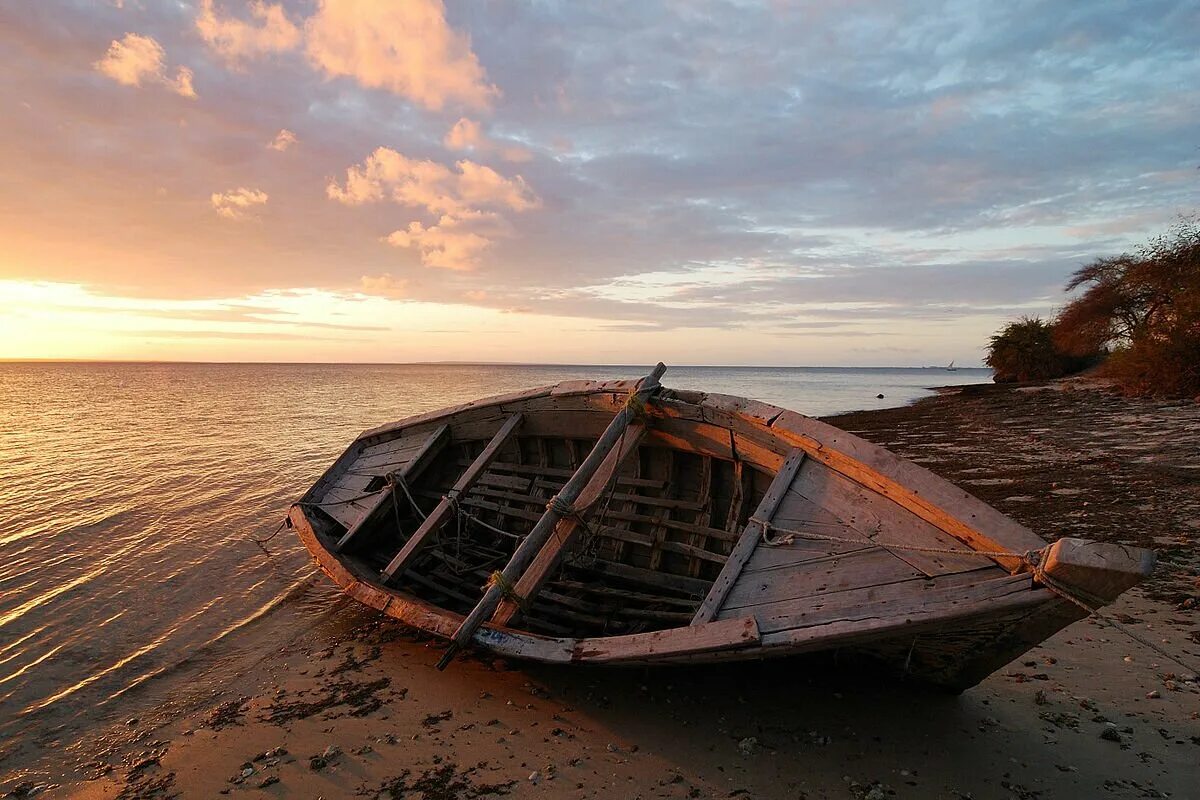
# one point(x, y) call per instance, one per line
point(623, 522)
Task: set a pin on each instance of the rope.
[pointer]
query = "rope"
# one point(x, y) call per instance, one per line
point(1073, 595)
point(396, 479)
point(1030, 557)
point(508, 590)
point(636, 406)
point(262, 543)
point(1087, 602)
point(561, 507)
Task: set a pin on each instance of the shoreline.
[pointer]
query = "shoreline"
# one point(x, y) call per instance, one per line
point(357, 705)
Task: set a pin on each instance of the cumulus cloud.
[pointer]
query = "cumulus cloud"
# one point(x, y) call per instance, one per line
point(406, 48)
point(283, 140)
point(467, 134)
point(389, 175)
point(136, 60)
point(466, 202)
point(237, 40)
point(455, 241)
point(238, 203)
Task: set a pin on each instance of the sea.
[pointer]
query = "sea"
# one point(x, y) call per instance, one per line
point(131, 496)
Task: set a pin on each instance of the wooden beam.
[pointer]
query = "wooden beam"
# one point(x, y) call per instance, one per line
point(727, 634)
point(563, 538)
point(408, 473)
point(749, 538)
point(545, 526)
point(1099, 569)
point(445, 508)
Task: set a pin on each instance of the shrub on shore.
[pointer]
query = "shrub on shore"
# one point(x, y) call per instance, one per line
point(1025, 350)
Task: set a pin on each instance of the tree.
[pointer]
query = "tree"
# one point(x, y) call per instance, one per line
point(1145, 307)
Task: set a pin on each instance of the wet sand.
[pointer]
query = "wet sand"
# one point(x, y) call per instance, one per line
point(346, 704)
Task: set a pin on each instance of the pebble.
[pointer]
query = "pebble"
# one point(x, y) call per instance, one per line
point(748, 746)
point(535, 778)
point(1153, 694)
point(1110, 734)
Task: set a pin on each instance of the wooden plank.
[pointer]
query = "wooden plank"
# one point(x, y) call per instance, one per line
point(558, 472)
point(996, 597)
point(860, 569)
point(525, 395)
point(709, 637)
point(750, 535)
point(563, 537)
point(704, 514)
point(876, 517)
point(409, 473)
point(892, 600)
point(648, 541)
point(915, 488)
point(537, 537)
point(682, 584)
point(445, 507)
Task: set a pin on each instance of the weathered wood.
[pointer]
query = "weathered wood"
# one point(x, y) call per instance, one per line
point(875, 517)
point(433, 445)
point(893, 600)
point(562, 539)
point(693, 587)
point(1100, 570)
point(704, 513)
point(570, 492)
point(915, 488)
point(750, 535)
point(869, 568)
point(723, 635)
point(445, 507)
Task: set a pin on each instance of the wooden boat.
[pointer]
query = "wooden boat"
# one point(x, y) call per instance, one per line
point(622, 522)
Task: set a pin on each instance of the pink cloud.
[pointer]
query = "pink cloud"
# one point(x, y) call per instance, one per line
point(136, 60)
point(406, 48)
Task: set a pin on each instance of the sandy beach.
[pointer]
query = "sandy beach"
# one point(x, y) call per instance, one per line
point(341, 703)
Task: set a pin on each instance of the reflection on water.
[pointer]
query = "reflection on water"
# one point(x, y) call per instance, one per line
point(130, 494)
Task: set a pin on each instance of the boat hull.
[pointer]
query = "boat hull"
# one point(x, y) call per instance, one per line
point(864, 553)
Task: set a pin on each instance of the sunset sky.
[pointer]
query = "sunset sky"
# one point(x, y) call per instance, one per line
point(781, 182)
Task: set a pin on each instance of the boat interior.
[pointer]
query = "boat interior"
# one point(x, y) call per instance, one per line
point(643, 559)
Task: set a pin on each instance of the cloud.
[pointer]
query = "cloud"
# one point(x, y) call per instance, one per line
point(407, 48)
point(237, 40)
point(136, 60)
point(467, 134)
point(389, 175)
point(383, 285)
point(283, 140)
point(238, 203)
point(455, 242)
point(464, 201)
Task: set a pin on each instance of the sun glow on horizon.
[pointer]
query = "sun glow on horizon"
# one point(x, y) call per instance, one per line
point(44, 320)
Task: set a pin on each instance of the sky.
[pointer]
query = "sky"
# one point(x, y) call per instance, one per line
point(795, 183)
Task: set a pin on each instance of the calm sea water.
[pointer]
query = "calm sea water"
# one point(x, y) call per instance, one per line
point(129, 494)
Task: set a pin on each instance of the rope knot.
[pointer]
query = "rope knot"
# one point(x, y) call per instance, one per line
point(635, 404)
point(560, 507)
point(508, 590)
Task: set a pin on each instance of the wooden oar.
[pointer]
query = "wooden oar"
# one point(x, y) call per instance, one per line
point(561, 506)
